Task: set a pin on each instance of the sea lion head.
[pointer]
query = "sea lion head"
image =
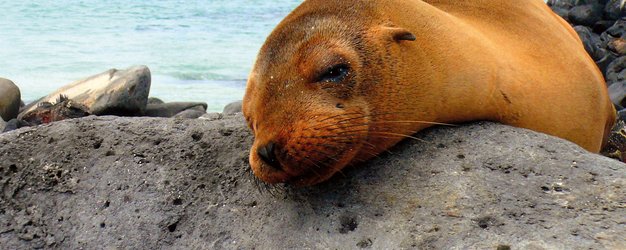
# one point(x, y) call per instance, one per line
point(316, 90)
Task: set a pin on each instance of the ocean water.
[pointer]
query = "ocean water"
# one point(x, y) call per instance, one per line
point(197, 50)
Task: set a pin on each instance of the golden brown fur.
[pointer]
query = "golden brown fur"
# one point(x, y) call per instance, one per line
point(513, 62)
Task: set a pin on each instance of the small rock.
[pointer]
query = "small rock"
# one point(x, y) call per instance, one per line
point(621, 115)
point(170, 109)
point(211, 116)
point(618, 46)
point(602, 26)
point(14, 124)
point(154, 100)
point(232, 108)
point(10, 98)
point(190, 114)
point(616, 144)
point(614, 10)
point(618, 30)
point(565, 4)
point(114, 92)
point(586, 15)
point(562, 12)
point(606, 60)
point(617, 92)
point(616, 71)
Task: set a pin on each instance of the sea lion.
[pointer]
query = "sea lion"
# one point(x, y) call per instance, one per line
point(338, 82)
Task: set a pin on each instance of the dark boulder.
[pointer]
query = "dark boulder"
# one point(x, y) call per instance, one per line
point(616, 71)
point(586, 15)
point(617, 93)
point(614, 10)
point(602, 26)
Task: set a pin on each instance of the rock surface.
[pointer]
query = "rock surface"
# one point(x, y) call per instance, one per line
point(118, 92)
point(10, 98)
point(151, 183)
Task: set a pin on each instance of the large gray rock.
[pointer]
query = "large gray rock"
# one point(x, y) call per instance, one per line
point(114, 92)
point(2, 124)
point(148, 183)
point(10, 98)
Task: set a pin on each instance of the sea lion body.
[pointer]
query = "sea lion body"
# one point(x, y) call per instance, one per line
point(338, 82)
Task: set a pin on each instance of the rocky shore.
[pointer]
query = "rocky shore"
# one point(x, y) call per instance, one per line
point(146, 183)
point(101, 164)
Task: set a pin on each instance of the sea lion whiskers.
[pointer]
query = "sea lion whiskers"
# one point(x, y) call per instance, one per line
point(380, 122)
point(339, 115)
point(260, 185)
point(357, 117)
point(327, 122)
point(374, 133)
point(366, 143)
point(420, 122)
point(315, 164)
point(399, 135)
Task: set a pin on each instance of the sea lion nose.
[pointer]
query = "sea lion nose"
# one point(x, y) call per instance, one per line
point(268, 155)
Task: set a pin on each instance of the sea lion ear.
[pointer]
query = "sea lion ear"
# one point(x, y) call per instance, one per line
point(397, 34)
point(400, 34)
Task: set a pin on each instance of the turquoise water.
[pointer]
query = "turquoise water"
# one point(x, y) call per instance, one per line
point(196, 50)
